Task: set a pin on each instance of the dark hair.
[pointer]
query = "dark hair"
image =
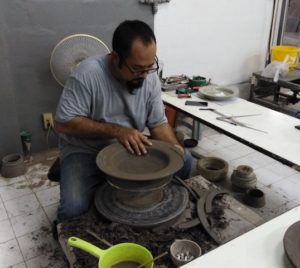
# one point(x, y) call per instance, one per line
point(127, 32)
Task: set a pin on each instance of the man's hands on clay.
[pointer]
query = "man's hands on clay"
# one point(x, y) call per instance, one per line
point(133, 140)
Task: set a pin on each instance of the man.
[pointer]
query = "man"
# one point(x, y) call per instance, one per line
point(109, 99)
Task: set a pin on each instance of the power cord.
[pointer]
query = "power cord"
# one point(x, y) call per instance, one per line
point(50, 127)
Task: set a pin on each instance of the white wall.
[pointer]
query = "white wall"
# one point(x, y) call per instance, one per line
point(225, 40)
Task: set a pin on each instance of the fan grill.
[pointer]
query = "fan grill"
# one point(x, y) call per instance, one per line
point(70, 51)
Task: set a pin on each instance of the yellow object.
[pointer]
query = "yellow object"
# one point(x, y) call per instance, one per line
point(117, 254)
point(278, 53)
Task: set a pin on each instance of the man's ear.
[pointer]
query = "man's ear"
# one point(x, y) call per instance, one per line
point(116, 59)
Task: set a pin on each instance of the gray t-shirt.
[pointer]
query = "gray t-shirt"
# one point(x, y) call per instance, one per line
point(92, 91)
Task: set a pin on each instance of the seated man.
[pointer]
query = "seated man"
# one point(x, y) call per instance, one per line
point(108, 99)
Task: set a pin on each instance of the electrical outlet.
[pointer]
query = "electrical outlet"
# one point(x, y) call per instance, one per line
point(47, 120)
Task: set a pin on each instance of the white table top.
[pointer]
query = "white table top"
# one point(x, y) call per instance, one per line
point(282, 140)
point(261, 247)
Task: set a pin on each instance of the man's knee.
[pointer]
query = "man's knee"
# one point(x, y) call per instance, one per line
point(185, 171)
point(73, 206)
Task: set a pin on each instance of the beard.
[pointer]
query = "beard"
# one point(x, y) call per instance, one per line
point(134, 84)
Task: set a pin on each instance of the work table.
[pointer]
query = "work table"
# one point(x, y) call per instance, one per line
point(277, 137)
point(261, 247)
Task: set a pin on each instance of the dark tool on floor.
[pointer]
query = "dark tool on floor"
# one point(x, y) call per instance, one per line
point(231, 119)
point(99, 238)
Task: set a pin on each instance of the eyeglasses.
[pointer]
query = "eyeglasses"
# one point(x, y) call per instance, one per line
point(138, 72)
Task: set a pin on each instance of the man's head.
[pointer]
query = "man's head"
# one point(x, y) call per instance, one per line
point(134, 52)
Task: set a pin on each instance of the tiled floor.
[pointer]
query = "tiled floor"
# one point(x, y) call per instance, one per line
point(28, 203)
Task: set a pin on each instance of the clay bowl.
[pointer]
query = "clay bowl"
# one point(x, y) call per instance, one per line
point(184, 251)
point(212, 168)
point(255, 198)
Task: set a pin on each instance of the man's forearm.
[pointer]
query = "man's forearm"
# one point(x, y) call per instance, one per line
point(81, 126)
point(164, 133)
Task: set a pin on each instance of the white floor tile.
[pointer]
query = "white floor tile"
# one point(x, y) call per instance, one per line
point(47, 261)
point(19, 265)
point(288, 188)
point(225, 154)
point(49, 196)
point(15, 190)
point(3, 214)
point(221, 138)
point(281, 169)
point(240, 149)
point(25, 224)
point(51, 211)
point(297, 200)
point(261, 159)
point(6, 231)
point(10, 253)
point(22, 205)
point(9, 181)
point(37, 243)
point(267, 177)
point(295, 178)
point(207, 131)
point(209, 145)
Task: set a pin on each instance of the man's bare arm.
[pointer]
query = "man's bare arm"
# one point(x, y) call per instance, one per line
point(83, 127)
point(165, 133)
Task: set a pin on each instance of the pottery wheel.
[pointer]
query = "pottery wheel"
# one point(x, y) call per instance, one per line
point(291, 242)
point(167, 206)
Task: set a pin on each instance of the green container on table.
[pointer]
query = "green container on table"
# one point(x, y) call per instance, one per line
point(197, 81)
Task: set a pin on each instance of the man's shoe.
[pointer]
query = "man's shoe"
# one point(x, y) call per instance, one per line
point(54, 230)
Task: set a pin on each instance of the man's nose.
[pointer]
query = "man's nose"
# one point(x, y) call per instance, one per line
point(143, 74)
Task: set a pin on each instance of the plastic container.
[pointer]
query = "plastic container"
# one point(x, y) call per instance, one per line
point(119, 255)
point(278, 53)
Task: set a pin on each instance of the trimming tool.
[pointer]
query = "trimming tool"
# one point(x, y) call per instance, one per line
point(231, 119)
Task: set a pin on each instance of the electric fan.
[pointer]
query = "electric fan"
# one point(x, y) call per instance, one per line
point(70, 51)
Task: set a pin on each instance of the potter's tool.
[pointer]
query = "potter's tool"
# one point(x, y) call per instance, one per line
point(231, 119)
point(98, 237)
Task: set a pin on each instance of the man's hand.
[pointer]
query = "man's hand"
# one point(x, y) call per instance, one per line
point(133, 140)
point(180, 148)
